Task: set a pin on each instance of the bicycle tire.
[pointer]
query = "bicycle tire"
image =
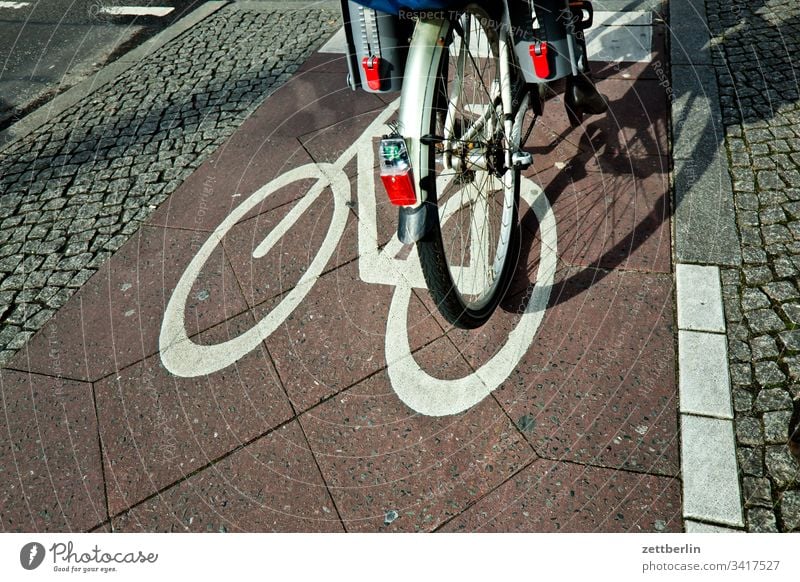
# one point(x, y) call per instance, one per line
point(468, 273)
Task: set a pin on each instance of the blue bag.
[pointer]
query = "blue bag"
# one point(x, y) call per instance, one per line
point(396, 6)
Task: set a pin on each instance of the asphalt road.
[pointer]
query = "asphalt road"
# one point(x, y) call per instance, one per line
point(47, 46)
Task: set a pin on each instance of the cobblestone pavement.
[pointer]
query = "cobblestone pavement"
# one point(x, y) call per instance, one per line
point(761, 113)
point(73, 192)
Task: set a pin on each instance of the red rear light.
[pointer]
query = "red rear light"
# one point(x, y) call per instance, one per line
point(372, 70)
point(400, 188)
point(396, 174)
point(540, 63)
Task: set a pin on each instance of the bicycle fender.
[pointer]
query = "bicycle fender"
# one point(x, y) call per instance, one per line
point(415, 223)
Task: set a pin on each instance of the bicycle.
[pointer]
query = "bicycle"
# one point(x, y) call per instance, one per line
point(456, 150)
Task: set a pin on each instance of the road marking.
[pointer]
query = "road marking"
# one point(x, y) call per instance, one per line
point(136, 10)
point(420, 391)
point(14, 5)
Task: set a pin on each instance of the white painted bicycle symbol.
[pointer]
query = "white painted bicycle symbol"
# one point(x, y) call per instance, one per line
point(415, 387)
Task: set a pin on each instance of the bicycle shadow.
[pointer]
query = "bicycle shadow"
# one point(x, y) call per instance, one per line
point(597, 178)
point(698, 167)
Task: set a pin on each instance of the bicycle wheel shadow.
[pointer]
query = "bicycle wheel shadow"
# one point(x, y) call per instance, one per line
point(610, 146)
point(595, 195)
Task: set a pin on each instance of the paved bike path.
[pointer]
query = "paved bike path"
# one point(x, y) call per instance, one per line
point(306, 432)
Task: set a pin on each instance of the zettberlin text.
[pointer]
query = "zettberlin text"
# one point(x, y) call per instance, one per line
point(684, 549)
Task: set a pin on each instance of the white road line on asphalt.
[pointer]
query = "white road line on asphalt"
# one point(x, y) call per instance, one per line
point(14, 5)
point(136, 10)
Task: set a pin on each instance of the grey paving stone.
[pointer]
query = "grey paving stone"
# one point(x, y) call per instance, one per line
point(741, 374)
point(754, 299)
point(769, 374)
point(781, 291)
point(697, 121)
point(773, 399)
point(757, 492)
point(704, 381)
point(793, 365)
point(790, 510)
point(689, 42)
point(764, 320)
point(782, 466)
point(775, 426)
point(749, 431)
point(758, 275)
point(742, 400)
point(764, 347)
point(739, 351)
point(708, 465)
point(705, 225)
point(751, 460)
point(760, 520)
point(699, 298)
point(790, 340)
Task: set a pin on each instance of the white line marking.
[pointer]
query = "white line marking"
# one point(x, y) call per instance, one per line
point(136, 10)
point(14, 5)
point(632, 44)
point(413, 385)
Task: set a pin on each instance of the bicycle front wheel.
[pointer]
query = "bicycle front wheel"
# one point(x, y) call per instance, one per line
point(469, 256)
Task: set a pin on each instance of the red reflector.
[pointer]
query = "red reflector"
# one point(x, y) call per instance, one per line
point(400, 188)
point(540, 62)
point(372, 70)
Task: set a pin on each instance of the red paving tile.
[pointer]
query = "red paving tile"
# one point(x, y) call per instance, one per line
point(378, 456)
point(634, 126)
point(328, 144)
point(234, 172)
point(598, 384)
point(157, 428)
point(327, 63)
point(50, 455)
point(612, 213)
point(310, 102)
point(563, 497)
point(272, 485)
point(335, 338)
point(115, 319)
point(281, 268)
